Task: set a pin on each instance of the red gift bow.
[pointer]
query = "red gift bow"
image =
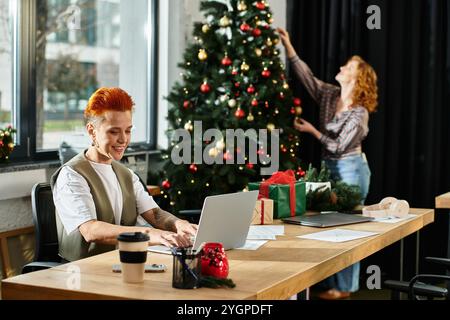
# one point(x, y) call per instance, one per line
point(280, 177)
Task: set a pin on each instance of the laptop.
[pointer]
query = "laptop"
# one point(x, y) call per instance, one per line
point(325, 220)
point(225, 218)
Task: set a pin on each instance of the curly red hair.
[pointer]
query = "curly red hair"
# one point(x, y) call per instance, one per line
point(108, 99)
point(365, 92)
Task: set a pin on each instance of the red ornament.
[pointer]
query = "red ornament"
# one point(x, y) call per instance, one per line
point(227, 156)
point(166, 184)
point(251, 90)
point(266, 104)
point(234, 72)
point(297, 102)
point(239, 113)
point(284, 149)
point(237, 84)
point(266, 73)
point(292, 110)
point(255, 103)
point(205, 88)
point(249, 165)
point(282, 77)
point(214, 261)
point(193, 168)
point(301, 173)
point(186, 104)
point(245, 27)
point(227, 62)
point(260, 5)
point(256, 32)
point(237, 94)
point(260, 152)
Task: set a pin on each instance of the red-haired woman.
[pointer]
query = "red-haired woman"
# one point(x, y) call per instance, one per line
point(344, 118)
point(97, 198)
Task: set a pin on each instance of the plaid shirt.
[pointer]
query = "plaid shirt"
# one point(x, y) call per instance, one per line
point(341, 135)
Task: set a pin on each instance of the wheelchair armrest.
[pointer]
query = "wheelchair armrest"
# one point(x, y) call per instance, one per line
point(441, 261)
point(39, 265)
point(412, 284)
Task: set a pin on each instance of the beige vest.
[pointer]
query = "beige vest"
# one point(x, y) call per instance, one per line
point(73, 246)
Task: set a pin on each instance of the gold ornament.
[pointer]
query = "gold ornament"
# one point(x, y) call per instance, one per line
point(245, 67)
point(298, 110)
point(232, 103)
point(188, 126)
point(242, 6)
point(213, 152)
point(270, 126)
point(285, 86)
point(202, 55)
point(276, 40)
point(250, 117)
point(220, 145)
point(224, 22)
point(258, 52)
point(205, 28)
point(269, 42)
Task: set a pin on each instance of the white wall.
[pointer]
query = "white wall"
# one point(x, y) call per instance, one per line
point(177, 18)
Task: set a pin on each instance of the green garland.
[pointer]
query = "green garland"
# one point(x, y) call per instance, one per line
point(213, 282)
point(341, 197)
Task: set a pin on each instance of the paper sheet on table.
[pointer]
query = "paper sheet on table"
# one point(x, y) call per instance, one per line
point(338, 235)
point(265, 232)
point(393, 219)
point(252, 244)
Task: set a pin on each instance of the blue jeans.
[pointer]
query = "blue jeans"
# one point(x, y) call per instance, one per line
point(352, 170)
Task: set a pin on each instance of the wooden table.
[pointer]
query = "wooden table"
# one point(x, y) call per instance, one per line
point(277, 270)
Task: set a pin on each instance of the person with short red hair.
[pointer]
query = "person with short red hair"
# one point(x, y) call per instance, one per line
point(97, 198)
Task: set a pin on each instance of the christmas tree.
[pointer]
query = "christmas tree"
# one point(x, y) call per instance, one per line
point(233, 78)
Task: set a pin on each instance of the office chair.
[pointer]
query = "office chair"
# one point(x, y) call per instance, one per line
point(419, 290)
point(46, 248)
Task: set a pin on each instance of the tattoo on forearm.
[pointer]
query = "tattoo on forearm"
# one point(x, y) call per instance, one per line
point(164, 220)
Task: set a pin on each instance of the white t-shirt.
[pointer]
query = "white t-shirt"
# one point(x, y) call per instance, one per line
point(74, 201)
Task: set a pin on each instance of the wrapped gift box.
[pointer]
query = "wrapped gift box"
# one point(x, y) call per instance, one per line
point(263, 212)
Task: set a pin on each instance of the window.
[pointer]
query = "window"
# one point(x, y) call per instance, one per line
point(6, 45)
point(76, 47)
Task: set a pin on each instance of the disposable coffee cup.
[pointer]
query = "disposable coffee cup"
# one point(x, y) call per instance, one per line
point(133, 255)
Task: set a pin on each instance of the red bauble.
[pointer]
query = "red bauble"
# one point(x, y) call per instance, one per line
point(227, 156)
point(284, 149)
point(301, 173)
point(227, 62)
point(234, 72)
point(245, 27)
point(186, 104)
point(266, 73)
point(166, 184)
point(249, 166)
point(255, 103)
point(237, 84)
point(205, 88)
point(214, 261)
point(256, 32)
point(193, 168)
point(297, 102)
point(251, 90)
point(260, 5)
point(239, 113)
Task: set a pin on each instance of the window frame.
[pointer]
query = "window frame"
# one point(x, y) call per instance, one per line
point(24, 83)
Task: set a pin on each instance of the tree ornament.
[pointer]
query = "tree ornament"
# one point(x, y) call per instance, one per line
point(213, 152)
point(234, 72)
point(251, 89)
point(266, 104)
point(166, 184)
point(255, 103)
point(276, 40)
point(188, 126)
point(239, 113)
point(249, 165)
point(193, 168)
point(260, 5)
point(285, 86)
point(237, 84)
point(205, 28)
point(242, 6)
point(250, 117)
point(256, 32)
point(245, 67)
point(220, 145)
point(270, 126)
point(232, 103)
point(258, 52)
point(186, 104)
point(266, 73)
point(298, 111)
point(205, 87)
point(281, 95)
point(297, 102)
point(223, 98)
point(227, 156)
point(224, 22)
point(293, 110)
point(202, 55)
point(245, 27)
point(226, 61)
point(269, 42)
